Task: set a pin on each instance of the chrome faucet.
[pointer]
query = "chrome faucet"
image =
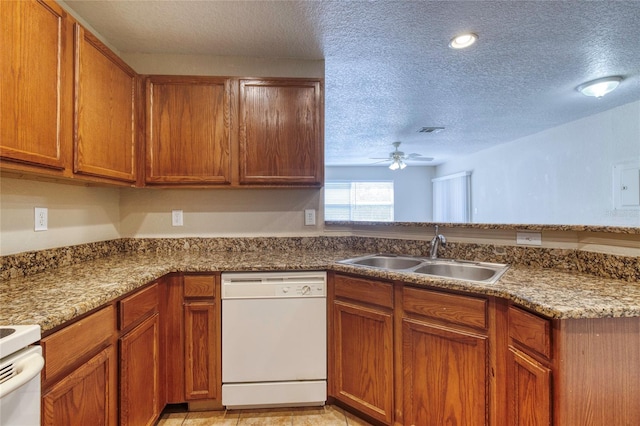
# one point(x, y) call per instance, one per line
point(437, 241)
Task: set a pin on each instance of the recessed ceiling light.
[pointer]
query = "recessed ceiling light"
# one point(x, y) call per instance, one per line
point(600, 87)
point(463, 40)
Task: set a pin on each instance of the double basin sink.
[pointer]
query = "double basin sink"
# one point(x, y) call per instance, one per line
point(482, 272)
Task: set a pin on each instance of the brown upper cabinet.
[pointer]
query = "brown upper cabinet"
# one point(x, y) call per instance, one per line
point(281, 134)
point(35, 88)
point(71, 108)
point(68, 103)
point(188, 139)
point(204, 131)
point(105, 111)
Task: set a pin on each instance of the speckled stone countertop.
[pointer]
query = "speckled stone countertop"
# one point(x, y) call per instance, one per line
point(53, 297)
point(502, 226)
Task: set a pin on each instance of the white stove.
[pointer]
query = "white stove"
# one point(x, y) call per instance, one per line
point(16, 337)
point(20, 365)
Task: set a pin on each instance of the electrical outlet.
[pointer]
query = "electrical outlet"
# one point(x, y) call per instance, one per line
point(529, 238)
point(176, 218)
point(309, 217)
point(41, 221)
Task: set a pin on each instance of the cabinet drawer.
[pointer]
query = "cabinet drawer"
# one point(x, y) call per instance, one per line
point(453, 308)
point(364, 290)
point(138, 305)
point(199, 285)
point(63, 348)
point(530, 330)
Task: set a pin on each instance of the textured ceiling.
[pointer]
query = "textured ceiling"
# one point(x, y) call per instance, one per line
point(389, 70)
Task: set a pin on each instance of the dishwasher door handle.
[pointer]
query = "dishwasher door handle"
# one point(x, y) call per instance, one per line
point(27, 368)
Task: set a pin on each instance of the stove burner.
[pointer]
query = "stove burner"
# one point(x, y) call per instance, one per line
point(6, 331)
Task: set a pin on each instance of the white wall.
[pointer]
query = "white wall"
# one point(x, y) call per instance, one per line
point(223, 65)
point(77, 214)
point(561, 175)
point(411, 188)
point(218, 212)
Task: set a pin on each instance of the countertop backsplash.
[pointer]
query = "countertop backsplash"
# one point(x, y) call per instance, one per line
point(625, 268)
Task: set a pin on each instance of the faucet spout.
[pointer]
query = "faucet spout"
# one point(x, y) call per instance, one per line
point(437, 241)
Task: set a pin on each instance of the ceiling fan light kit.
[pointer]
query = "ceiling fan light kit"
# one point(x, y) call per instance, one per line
point(398, 158)
point(397, 164)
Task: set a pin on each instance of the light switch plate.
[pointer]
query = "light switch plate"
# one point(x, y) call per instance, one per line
point(529, 238)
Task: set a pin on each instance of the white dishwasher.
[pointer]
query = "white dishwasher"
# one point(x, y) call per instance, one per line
point(274, 339)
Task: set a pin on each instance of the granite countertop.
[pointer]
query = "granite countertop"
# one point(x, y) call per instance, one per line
point(55, 297)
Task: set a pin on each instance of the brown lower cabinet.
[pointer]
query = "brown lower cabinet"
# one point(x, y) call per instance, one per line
point(468, 359)
point(79, 379)
point(123, 363)
point(361, 338)
point(140, 358)
point(202, 328)
point(86, 396)
point(445, 358)
point(399, 354)
point(529, 390)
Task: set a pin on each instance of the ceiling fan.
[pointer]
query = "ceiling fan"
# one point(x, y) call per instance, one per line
point(398, 158)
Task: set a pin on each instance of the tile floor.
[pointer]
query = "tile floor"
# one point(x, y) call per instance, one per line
point(329, 415)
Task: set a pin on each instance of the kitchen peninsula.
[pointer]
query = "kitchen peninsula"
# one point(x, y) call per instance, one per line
point(557, 302)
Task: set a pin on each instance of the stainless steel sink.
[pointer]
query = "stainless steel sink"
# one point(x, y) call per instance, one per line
point(386, 262)
point(458, 271)
point(444, 268)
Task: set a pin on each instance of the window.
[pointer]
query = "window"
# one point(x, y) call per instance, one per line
point(452, 198)
point(365, 201)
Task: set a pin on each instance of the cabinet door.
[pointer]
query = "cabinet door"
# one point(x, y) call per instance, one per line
point(87, 396)
point(139, 374)
point(105, 114)
point(188, 130)
point(281, 132)
point(363, 357)
point(34, 88)
point(201, 367)
point(529, 385)
point(445, 375)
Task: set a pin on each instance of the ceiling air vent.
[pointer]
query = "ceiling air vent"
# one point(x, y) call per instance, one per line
point(431, 129)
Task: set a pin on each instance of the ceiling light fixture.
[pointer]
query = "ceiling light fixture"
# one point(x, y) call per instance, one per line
point(463, 40)
point(600, 87)
point(397, 164)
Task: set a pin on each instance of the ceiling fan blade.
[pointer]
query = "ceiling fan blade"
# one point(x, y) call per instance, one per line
point(380, 158)
point(381, 161)
point(420, 159)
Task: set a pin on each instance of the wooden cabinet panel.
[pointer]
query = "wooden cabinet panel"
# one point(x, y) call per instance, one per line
point(87, 396)
point(202, 337)
point(364, 290)
point(63, 348)
point(529, 391)
point(595, 372)
point(445, 376)
point(281, 132)
point(530, 330)
point(105, 122)
point(199, 286)
point(139, 374)
point(35, 88)
point(451, 308)
point(188, 136)
point(172, 338)
point(363, 359)
point(138, 305)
